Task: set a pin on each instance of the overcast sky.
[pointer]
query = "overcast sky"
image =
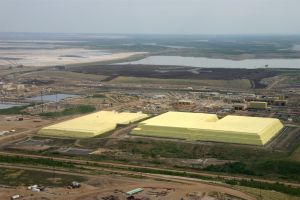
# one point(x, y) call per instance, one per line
point(151, 16)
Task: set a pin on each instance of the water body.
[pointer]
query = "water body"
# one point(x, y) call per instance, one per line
point(296, 47)
point(168, 46)
point(9, 105)
point(51, 97)
point(218, 63)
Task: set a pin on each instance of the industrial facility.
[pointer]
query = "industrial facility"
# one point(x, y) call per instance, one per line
point(258, 105)
point(207, 127)
point(92, 125)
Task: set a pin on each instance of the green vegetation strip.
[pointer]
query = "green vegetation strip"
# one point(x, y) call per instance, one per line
point(35, 161)
point(284, 168)
point(248, 183)
point(16, 110)
point(100, 96)
point(266, 186)
point(17, 177)
point(157, 171)
point(69, 165)
point(81, 109)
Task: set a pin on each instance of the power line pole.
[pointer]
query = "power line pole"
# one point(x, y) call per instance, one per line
point(42, 101)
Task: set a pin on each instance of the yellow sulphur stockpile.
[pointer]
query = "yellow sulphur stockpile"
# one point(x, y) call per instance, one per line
point(92, 125)
point(207, 127)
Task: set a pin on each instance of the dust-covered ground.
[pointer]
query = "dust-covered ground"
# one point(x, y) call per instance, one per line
point(115, 187)
point(56, 56)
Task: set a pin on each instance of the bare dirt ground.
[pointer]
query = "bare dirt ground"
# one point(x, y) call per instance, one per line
point(25, 122)
point(18, 128)
point(177, 72)
point(99, 187)
point(59, 56)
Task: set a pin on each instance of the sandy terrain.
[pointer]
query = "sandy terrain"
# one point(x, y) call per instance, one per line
point(117, 186)
point(8, 123)
point(61, 56)
point(11, 128)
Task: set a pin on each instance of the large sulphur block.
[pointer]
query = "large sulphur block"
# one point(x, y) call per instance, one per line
point(92, 125)
point(207, 127)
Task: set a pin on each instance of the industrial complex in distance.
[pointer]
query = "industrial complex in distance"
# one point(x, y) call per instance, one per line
point(179, 125)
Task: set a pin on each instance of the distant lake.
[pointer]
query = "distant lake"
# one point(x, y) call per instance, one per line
point(9, 105)
point(296, 47)
point(52, 97)
point(217, 63)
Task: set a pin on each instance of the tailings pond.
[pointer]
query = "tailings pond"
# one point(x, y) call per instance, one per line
point(51, 97)
point(6, 105)
point(218, 63)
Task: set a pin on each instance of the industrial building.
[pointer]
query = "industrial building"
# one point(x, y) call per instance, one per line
point(92, 125)
point(270, 100)
point(239, 106)
point(258, 105)
point(207, 127)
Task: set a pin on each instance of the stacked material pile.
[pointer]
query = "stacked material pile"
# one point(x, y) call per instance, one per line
point(207, 127)
point(92, 125)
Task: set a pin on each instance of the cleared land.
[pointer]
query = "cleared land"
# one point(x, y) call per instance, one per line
point(115, 187)
point(60, 76)
point(92, 125)
point(179, 74)
point(207, 127)
point(241, 83)
point(60, 55)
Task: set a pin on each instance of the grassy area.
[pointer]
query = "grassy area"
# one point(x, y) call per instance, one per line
point(17, 177)
point(69, 165)
point(283, 169)
point(174, 149)
point(237, 168)
point(252, 160)
point(266, 194)
point(16, 110)
point(266, 186)
point(35, 161)
point(67, 75)
point(238, 83)
point(81, 109)
point(295, 154)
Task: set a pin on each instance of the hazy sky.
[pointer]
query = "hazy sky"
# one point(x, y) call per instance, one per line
point(151, 16)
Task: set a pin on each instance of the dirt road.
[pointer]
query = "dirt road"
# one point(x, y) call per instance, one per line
point(136, 168)
point(187, 183)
